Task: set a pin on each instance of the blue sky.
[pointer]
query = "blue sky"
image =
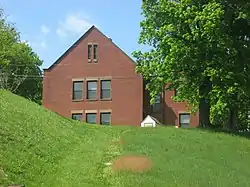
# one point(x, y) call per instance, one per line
point(52, 26)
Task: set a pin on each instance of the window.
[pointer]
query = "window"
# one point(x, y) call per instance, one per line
point(105, 118)
point(91, 118)
point(95, 51)
point(157, 104)
point(148, 125)
point(175, 92)
point(77, 90)
point(105, 89)
point(92, 89)
point(77, 116)
point(89, 51)
point(184, 120)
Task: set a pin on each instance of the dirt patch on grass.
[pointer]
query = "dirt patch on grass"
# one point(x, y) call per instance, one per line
point(132, 163)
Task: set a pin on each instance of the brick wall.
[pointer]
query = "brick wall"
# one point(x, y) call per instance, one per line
point(127, 86)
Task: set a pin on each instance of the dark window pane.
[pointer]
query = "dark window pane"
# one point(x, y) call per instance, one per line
point(92, 89)
point(92, 85)
point(185, 125)
point(89, 51)
point(158, 99)
point(105, 118)
point(92, 94)
point(105, 89)
point(78, 85)
point(77, 95)
point(175, 92)
point(95, 51)
point(91, 118)
point(184, 120)
point(106, 84)
point(77, 90)
point(77, 117)
point(157, 104)
point(105, 94)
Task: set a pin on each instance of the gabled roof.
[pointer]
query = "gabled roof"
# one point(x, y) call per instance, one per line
point(156, 120)
point(77, 42)
point(152, 118)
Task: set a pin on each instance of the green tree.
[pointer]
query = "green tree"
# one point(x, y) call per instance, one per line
point(197, 48)
point(19, 65)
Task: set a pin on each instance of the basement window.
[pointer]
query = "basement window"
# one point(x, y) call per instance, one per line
point(77, 116)
point(91, 118)
point(105, 118)
point(184, 120)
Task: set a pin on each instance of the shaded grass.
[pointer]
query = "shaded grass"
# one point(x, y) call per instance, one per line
point(41, 148)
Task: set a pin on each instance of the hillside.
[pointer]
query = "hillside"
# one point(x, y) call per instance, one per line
point(40, 149)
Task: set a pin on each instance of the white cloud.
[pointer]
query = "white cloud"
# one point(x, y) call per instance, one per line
point(60, 32)
point(73, 24)
point(43, 44)
point(44, 29)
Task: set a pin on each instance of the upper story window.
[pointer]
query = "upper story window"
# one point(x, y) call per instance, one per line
point(92, 89)
point(184, 120)
point(105, 89)
point(175, 92)
point(157, 104)
point(89, 51)
point(95, 52)
point(92, 52)
point(77, 90)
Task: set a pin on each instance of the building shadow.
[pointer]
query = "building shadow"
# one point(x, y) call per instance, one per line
point(164, 114)
point(169, 116)
point(245, 134)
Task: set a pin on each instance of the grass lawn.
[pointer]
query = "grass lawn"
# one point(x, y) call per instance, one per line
point(39, 148)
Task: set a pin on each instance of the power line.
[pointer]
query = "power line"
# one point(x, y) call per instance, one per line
point(31, 76)
point(43, 76)
point(27, 78)
point(19, 65)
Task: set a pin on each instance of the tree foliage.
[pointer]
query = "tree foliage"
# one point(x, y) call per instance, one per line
point(19, 65)
point(202, 49)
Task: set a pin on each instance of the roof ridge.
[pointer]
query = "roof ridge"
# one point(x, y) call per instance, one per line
point(71, 47)
point(78, 41)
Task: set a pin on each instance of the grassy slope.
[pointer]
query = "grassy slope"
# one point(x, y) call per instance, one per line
point(40, 148)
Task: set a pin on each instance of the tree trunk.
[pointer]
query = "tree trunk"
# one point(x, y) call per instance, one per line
point(232, 119)
point(204, 105)
point(204, 113)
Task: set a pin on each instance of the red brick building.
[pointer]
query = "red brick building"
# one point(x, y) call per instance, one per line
point(96, 82)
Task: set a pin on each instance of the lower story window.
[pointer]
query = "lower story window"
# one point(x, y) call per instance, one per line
point(184, 120)
point(91, 118)
point(77, 116)
point(105, 118)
